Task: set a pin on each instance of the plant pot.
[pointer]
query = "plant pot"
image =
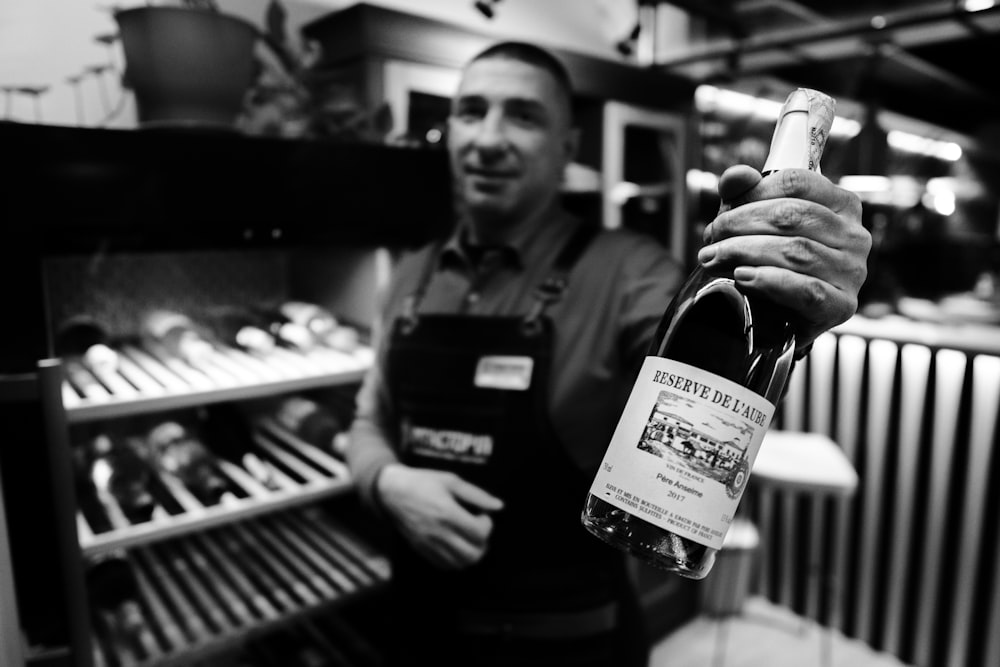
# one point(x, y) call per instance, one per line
point(187, 67)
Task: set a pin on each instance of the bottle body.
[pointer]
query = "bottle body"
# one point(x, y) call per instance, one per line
point(176, 333)
point(309, 421)
point(678, 463)
point(83, 337)
point(681, 454)
point(118, 471)
point(324, 326)
point(286, 331)
point(179, 451)
point(240, 329)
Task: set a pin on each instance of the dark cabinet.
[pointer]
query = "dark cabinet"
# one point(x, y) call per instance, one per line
point(113, 223)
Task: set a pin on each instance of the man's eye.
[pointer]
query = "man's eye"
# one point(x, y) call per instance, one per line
point(470, 111)
point(524, 116)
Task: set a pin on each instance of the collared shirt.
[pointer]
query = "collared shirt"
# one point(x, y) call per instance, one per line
point(618, 290)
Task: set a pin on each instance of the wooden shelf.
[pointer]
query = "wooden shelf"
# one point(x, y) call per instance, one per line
point(205, 594)
point(150, 380)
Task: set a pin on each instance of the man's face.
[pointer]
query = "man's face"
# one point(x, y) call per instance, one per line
point(509, 137)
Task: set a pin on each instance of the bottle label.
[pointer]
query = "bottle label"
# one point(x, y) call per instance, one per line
point(682, 451)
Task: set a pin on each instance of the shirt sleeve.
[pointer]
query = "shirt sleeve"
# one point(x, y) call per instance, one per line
point(372, 442)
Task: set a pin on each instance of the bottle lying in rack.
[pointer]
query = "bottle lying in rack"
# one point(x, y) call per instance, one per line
point(229, 435)
point(177, 450)
point(83, 337)
point(311, 422)
point(121, 475)
point(322, 324)
point(286, 331)
point(238, 327)
point(113, 589)
point(177, 334)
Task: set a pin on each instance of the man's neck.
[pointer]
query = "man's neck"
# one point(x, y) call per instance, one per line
point(494, 231)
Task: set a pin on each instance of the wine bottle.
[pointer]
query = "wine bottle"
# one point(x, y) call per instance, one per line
point(238, 327)
point(177, 333)
point(179, 451)
point(81, 336)
point(286, 331)
point(229, 434)
point(309, 421)
point(679, 459)
point(118, 470)
point(322, 324)
point(112, 587)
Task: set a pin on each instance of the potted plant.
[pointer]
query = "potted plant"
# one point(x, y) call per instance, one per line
point(187, 64)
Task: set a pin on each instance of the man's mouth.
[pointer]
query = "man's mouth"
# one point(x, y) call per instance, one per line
point(490, 174)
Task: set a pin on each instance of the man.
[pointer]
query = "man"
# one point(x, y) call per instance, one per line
point(505, 357)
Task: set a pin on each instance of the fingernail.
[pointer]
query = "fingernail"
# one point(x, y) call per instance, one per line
point(706, 254)
point(743, 274)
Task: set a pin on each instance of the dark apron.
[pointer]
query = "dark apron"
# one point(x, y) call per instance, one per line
point(546, 592)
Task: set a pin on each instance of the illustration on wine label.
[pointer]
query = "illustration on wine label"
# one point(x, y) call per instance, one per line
point(704, 429)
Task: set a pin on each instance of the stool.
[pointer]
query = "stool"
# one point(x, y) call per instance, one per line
point(725, 590)
point(811, 463)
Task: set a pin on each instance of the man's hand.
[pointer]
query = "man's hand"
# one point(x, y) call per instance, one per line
point(446, 519)
point(794, 237)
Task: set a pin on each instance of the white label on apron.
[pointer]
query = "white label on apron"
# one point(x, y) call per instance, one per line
point(683, 449)
point(499, 372)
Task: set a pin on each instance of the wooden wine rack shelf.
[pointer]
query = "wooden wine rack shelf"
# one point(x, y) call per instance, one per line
point(149, 379)
point(208, 593)
point(302, 474)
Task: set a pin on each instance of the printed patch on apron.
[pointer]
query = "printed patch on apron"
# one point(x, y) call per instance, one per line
point(449, 445)
point(499, 372)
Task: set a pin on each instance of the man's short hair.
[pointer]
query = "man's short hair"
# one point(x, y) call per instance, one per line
point(532, 55)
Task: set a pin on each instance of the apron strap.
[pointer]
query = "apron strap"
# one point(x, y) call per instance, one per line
point(552, 288)
point(408, 316)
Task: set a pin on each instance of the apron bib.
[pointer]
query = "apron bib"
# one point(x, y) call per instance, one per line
point(472, 395)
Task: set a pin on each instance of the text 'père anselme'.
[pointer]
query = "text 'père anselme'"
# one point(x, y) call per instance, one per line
point(708, 393)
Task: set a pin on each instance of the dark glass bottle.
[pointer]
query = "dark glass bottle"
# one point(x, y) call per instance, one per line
point(309, 421)
point(286, 331)
point(179, 451)
point(177, 333)
point(83, 337)
point(672, 478)
point(118, 469)
point(239, 328)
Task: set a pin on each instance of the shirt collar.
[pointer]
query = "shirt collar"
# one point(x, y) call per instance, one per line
point(523, 249)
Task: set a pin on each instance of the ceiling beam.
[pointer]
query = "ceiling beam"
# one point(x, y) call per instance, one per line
point(908, 28)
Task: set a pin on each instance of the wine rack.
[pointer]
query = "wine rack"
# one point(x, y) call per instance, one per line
point(112, 225)
point(206, 594)
point(301, 474)
point(149, 379)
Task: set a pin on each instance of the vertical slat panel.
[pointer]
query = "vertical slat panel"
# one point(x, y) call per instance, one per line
point(821, 386)
point(822, 361)
point(814, 582)
point(985, 402)
point(881, 372)
point(766, 525)
point(793, 403)
point(992, 649)
point(789, 568)
point(947, 396)
point(850, 369)
point(914, 376)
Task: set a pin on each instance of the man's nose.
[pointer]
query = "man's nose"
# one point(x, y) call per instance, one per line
point(491, 134)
